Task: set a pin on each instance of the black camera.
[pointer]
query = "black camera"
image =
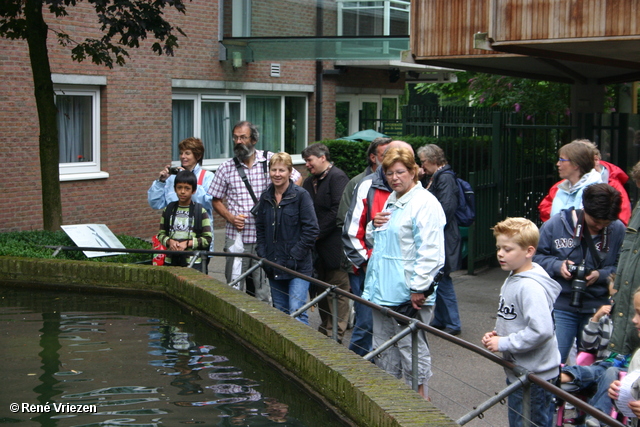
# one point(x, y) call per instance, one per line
point(173, 170)
point(578, 284)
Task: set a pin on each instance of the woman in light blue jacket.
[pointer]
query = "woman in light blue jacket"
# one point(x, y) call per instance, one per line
point(576, 165)
point(408, 252)
point(161, 192)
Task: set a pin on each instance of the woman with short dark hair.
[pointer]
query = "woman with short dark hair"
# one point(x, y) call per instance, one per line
point(576, 238)
point(442, 184)
point(161, 192)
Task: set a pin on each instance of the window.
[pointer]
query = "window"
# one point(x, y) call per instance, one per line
point(373, 18)
point(342, 118)
point(281, 120)
point(79, 132)
point(355, 112)
point(241, 18)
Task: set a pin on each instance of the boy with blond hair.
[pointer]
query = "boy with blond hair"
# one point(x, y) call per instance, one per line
point(524, 330)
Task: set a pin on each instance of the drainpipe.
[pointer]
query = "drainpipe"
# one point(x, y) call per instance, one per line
point(319, 86)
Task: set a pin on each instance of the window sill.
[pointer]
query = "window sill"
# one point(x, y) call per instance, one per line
point(84, 176)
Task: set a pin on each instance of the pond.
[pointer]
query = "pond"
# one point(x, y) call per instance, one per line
point(72, 359)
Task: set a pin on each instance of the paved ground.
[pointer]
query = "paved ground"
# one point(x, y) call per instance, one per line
point(461, 379)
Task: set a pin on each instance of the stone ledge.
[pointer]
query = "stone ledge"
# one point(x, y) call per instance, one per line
point(365, 393)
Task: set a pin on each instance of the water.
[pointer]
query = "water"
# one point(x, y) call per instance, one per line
point(134, 361)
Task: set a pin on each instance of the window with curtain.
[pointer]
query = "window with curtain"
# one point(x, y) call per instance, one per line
point(78, 130)
point(182, 123)
point(218, 118)
point(281, 120)
point(265, 112)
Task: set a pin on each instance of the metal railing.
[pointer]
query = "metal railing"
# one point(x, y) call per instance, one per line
point(525, 377)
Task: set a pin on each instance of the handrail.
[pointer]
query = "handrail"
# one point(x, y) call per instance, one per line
point(519, 371)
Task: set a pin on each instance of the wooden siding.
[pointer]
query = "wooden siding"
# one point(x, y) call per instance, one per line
point(443, 28)
point(522, 20)
point(446, 27)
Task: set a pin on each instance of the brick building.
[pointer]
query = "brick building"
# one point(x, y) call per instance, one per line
point(120, 126)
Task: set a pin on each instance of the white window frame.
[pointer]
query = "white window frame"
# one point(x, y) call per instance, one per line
point(385, 5)
point(91, 169)
point(204, 96)
point(355, 105)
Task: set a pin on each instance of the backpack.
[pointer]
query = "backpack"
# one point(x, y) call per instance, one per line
point(466, 212)
point(195, 217)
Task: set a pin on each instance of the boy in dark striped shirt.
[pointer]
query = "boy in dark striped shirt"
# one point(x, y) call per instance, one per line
point(185, 225)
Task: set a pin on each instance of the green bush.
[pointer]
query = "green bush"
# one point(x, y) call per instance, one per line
point(350, 156)
point(31, 244)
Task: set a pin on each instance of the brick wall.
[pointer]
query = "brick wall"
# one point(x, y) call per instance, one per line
point(135, 117)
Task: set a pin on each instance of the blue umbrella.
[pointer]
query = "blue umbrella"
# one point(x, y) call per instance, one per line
point(365, 135)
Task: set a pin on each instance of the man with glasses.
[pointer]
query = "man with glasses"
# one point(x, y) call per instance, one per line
point(241, 180)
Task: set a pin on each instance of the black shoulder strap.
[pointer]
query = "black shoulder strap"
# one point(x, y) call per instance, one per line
point(265, 166)
point(244, 178)
point(197, 217)
point(169, 215)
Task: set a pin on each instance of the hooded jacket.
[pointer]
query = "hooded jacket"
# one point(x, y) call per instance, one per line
point(286, 232)
point(408, 251)
point(570, 196)
point(369, 198)
point(557, 245)
point(525, 322)
point(615, 177)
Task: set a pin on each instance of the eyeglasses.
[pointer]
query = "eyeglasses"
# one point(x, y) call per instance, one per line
point(560, 159)
point(396, 173)
point(241, 137)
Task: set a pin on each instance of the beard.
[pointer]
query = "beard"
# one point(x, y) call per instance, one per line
point(243, 152)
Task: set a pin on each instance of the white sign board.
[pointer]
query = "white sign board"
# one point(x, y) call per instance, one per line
point(93, 236)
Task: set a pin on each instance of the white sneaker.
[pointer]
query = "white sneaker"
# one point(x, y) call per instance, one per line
point(592, 422)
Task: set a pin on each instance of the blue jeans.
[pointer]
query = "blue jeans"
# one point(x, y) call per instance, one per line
point(446, 313)
point(542, 407)
point(569, 327)
point(290, 295)
point(363, 329)
point(601, 399)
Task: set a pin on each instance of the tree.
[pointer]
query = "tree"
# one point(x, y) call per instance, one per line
point(124, 23)
point(531, 97)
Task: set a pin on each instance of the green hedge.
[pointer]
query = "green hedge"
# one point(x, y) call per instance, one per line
point(31, 244)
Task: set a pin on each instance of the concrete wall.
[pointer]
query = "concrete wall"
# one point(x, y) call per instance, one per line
point(365, 393)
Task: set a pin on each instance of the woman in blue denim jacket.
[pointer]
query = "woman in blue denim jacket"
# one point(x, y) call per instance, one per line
point(287, 228)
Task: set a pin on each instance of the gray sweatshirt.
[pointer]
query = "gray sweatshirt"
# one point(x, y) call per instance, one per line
point(525, 322)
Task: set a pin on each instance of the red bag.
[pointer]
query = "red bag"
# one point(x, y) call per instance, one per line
point(158, 259)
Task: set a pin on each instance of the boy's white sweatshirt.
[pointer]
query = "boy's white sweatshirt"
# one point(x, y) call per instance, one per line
point(525, 322)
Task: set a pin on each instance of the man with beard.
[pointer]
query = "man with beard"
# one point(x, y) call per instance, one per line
point(232, 181)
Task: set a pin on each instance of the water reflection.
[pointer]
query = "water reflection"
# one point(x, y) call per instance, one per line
point(141, 363)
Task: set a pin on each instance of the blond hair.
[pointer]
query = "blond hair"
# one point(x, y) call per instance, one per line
point(283, 158)
point(521, 231)
point(402, 155)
